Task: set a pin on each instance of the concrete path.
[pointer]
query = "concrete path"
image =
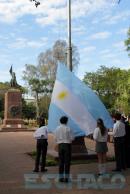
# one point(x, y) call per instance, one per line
point(15, 164)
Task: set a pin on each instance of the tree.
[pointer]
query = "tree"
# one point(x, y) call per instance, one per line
point(47, 65)
point(30, 72)
point(122, 102)
point(31, 76)
point(28, 110)
point(48, 60)
point(44, 105)
point(127, 42)
point(36, 85)
point(40, 79)
point(111, 84)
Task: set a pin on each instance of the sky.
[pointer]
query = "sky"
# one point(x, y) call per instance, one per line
point(99, 28)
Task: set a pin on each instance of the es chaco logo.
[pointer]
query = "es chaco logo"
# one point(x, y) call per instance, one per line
point(81, 181)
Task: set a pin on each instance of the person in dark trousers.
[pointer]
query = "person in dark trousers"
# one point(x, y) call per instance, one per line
point(119, 143)
point(127, 142)
point(64, 137)
point(41, 135)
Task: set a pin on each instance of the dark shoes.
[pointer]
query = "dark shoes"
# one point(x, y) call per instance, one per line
point(100, 174)
point(36, 170)
point(44, 170)
point(61, 180)
point(64, 180)
point(116, 170)
point(119, 170)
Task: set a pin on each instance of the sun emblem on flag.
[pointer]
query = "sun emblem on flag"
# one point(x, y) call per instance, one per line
point(62, 95)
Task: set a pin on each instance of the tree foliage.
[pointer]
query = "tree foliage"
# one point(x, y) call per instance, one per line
point(28, 110)
point(37, 85)
point(127, 42)
point(47, 63)
point(113, 87)
point(40, 79)
point(48, 60)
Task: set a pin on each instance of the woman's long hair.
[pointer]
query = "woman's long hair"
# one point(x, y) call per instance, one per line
point(101, 126)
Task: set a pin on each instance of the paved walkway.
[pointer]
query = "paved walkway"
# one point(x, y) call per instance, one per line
point(15, 163)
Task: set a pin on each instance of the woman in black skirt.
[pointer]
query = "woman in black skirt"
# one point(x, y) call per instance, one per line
point(100, 135)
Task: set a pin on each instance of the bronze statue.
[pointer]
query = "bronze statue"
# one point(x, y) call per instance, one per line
point(13, 82)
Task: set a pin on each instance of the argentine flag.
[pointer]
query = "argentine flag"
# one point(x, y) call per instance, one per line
point(73, 98)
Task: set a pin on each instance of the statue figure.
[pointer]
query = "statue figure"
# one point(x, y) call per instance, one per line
point(13, 82)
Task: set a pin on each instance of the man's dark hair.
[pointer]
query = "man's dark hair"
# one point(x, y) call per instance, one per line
point(41, 121)
point(118, 116)
point(64, 120)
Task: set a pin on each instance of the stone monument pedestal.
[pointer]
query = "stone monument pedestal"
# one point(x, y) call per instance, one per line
point(79, 150)
point(13, 111)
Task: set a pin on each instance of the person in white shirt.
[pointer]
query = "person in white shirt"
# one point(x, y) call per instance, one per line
point(119, 143)
point(41, 135)
point(100, 135)
point(64, 137)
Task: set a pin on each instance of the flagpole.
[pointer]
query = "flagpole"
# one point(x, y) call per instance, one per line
point(69, 50)
point(79, 149)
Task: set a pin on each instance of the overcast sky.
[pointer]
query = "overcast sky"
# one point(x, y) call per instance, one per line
point(99, 28)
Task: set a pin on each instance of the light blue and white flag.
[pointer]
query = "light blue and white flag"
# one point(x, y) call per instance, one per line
point(73, 98)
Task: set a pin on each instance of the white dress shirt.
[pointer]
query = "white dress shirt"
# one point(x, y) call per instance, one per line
point(97, 136)
point(63, 134)
point(41, 133)
point(118, 129)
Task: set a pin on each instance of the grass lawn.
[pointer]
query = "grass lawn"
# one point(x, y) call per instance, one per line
point(51, 161)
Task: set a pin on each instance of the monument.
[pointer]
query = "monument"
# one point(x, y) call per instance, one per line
point(13, 107)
